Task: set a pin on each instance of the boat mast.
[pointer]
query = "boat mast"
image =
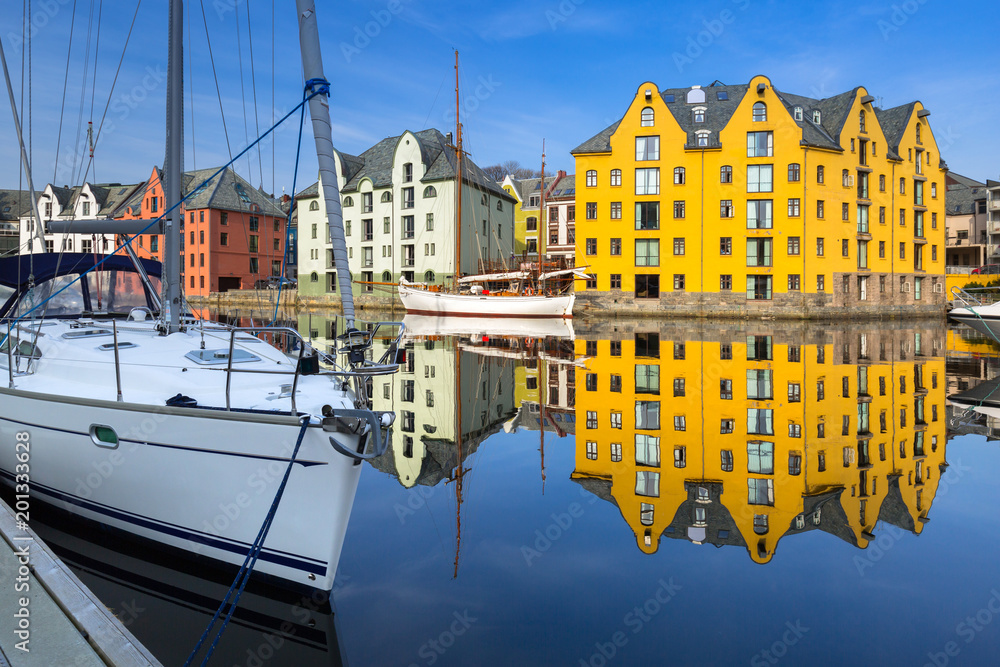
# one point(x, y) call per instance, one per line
point(173, 164)
point(319, 112)
point(543, 223)
point(24, 153)
point(458, 183)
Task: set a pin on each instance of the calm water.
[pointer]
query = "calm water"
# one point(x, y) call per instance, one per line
point(649, 493)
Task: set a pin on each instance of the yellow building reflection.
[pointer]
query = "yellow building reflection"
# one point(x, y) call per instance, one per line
point(741, 437)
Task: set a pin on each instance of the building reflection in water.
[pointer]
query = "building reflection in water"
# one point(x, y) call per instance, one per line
point(743, 437)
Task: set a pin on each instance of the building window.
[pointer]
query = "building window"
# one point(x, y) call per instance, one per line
point(680, 456)
point(759, 214)
point(224, 239)
point(678, 209)
point(726, 390)
point(819, 246)
point(616, 210)
point(646, 119)
point(758, 288)
point(760, 458)
point(592, 178)
point(647, 252)
point(793, 282)
point(616, 246)
point(759, 178)
point(902, 186)
point(793, 245)
point(647, 215)
point(726, 245)
point(759, 112)
point(726, 174)
point(793, 172)
point(647, 181)
point(726, 282)
point(820, 173)
point(647, 484)
point(679, 176)
point(759, 252)
point(678, 246)
point(591, 210)
point(793, 207)
point(726, 208)
point(727, 454)
point(616, 281)
point(591, 246)
point(760, 144)
point(647, 286)
point(678, 282)
point(646, 148)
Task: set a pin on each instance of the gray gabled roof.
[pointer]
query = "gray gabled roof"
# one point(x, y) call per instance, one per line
point(14, 204)
point(717, 112)
point(813, 134)
point(308, 193)
point(600, 142)
point(227, 192)
point(893, 123)
point(437, 155)
point(961, 196)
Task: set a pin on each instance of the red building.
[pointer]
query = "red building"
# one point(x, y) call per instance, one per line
point(232, 236)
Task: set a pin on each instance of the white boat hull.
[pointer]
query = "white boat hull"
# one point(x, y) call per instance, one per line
point(445, 325)
point(199, 480)
point(423, 302)
point(984, 319)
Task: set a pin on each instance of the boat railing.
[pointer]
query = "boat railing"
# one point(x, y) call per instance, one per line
point(969, 297)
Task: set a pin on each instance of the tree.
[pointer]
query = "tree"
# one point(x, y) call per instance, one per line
point(512, 168)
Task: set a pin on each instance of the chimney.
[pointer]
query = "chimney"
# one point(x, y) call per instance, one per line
point(286, 198)
point(448, 138)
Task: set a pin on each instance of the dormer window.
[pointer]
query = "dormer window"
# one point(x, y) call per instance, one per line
point(702, 138)
point(647, 117)
point(797, 113)
point(816, 117)
point(696, 95)
point(698, 114)
point(759, 112)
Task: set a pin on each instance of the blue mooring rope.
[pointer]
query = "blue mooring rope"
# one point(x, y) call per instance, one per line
point(243, 576)
point(312, 88)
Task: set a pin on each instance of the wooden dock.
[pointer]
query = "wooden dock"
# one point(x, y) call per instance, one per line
point(47, 610)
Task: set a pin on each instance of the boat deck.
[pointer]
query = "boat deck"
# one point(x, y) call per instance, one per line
point(66, 623)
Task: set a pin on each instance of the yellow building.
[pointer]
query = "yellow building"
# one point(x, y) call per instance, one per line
point(743, 437)
point(743, 200)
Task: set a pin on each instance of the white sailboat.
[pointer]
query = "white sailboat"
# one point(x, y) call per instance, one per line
point(516, 293)
point(124, 411)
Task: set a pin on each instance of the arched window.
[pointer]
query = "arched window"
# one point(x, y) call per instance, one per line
point(647, 117)
point(348, 201)
point(797, 113)
point(428, 276)
point(314, 206)
point(499, 204)
point(918, 133)
point(592, 178)
point(696, 96)
point(386, 197)
point(532, 224)
point(616, 177)
point(861, 121)
point(845, 177)
point(698, 114)
point(314, 277)
point(759, 112)
point(484, 200)
point(820, 173)
point(793, 172)
point(678, 175)
point(387, 276)
point(726, 174)
point(430, 191)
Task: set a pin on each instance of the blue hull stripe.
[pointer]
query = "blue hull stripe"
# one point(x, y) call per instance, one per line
point(284, 559)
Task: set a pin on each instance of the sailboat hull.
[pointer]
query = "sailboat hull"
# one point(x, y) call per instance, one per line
point(423, 302)
point(199, 480)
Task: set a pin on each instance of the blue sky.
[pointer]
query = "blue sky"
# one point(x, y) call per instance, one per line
point(561, 70)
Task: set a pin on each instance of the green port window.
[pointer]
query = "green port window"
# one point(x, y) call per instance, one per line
point(103, 436)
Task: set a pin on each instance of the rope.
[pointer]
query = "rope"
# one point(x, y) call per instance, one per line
point(312, 88)
point(62, 108)
point(243, 576)
point(130, 240)
point(218, 91)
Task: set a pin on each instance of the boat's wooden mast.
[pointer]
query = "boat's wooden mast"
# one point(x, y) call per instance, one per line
point(458, 183)
point(543, 222)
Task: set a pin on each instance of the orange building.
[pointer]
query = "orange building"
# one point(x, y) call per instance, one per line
point(232, 234)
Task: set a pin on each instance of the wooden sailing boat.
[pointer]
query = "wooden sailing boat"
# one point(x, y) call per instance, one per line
point(515, 292)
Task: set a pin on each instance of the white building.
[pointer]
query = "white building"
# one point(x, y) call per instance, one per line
point(399, 206)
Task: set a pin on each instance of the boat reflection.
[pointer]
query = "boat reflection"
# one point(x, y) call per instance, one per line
point(167, 604)
point(741, 437)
